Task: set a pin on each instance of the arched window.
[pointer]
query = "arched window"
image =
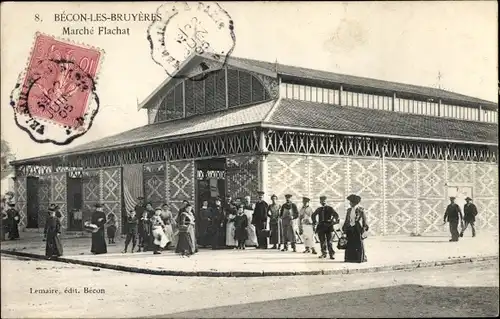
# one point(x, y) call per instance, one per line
point(208, 94)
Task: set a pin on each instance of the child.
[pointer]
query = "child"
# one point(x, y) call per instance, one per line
point(144, 232)
point(111, 230)
point(131, 230)
point(240, 224)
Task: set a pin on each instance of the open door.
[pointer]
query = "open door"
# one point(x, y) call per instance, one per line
point(32, 202)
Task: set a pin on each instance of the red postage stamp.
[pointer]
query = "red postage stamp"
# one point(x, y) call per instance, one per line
point(55, 99)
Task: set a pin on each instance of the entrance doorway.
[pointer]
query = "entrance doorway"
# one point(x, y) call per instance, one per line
point(211, 181)
point(75, 202)
point(32, 204)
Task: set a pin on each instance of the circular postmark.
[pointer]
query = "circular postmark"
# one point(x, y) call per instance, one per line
point(55, 100)
point(189, 29)
point(56, 103)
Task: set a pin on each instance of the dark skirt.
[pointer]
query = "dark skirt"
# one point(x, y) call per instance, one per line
point(355, 250)
point(111, 231)
point(53, 246)
point(240, 233)
point(99, 242)
point(185, 242)
point(276, 231)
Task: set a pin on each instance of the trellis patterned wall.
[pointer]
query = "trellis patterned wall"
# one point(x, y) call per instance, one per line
point(20, 198)
point(44, 198)
point(180, 183)
point(242, 176)
point(58, 192)
point(154, 177)
point(400, 196)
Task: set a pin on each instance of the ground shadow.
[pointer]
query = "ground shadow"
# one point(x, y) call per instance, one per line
point(409, 301)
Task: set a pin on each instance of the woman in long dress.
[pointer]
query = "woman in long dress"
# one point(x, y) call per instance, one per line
point(167, 218)
point(355, 227)
point(185, 242)
point(98, 239)
point(203, 224)
point(53, 245)
point(275, 222)
point(252, 234)
point(240, 223)
point(159, 238)
point(230, 229)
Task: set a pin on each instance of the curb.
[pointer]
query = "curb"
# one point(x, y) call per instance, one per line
point(344, 271)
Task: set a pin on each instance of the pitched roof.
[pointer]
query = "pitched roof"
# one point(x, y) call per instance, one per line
point(357, 120)
point(199, 124)
point(312, 74)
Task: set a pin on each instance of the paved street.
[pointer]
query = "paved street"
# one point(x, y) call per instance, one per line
point(381, 251)
point(457, 290)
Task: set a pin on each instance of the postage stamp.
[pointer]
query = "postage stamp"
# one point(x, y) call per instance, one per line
point(187, 29)
point(55, 99)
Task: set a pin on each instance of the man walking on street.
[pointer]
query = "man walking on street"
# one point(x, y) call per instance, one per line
point(470, 213)
point(259, 219)
point(325, 217)
point(453, 216)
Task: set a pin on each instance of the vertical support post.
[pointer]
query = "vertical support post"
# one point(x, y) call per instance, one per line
point(393, 102)
point(384, 191)
point(480, 111)
point(340, 95)
point(263, 168)
point(227, 87)
point(417, 192)
point(183, 99)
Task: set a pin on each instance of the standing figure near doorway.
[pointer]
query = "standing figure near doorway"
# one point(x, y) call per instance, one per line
point(98, 238)
point(248, 210)
point(203, 220)
point(131, 230)
point(259, 220)
point(185, 242)
point(470, 213)
point(288, 214)
point(111, 228)
point(306, 228)
point(53, 247)
point(240, 227)
point(219, 224)
point(453, 216)
point(167, 218)
point(230, 213)
point(275, 222)
point(144, 232)
point(53, 208)
point(4, 225)
point(13, 219)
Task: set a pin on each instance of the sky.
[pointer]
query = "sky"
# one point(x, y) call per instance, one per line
point(408, 42)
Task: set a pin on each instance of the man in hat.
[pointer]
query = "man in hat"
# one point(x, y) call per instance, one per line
point(98, 238)
point(306, 226)
point(13, 220)
point(259, 219)
point(288, 214)
point(470, 213)
point(453, 216)
point(323, 220)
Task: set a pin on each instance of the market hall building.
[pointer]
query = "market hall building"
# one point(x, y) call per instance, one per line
point(253, 125)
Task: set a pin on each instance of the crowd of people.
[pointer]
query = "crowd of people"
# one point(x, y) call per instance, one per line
point(235, 224)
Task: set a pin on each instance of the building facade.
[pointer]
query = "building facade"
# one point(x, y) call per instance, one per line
point(233, 129)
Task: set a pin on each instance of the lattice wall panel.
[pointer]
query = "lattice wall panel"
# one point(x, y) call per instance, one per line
point(401, 216)
point(486, 181)
point(154, 183)
point(431, 216)
point(487, 217)
point(44, 199)
point(400, 179)
point(58, 192)
point(366, 178)
point(91, 191)
point(327, 177)
point(431, 179)
point(288, 174)
point(242, 176)
point(374, 214)
point(20, 198)
point(460, 172)
point(181, 183)
point(111, 193)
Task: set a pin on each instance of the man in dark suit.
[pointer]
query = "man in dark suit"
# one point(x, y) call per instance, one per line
point(470, 213)
point(259, 219)
point(323, 220)
point(453, 216)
